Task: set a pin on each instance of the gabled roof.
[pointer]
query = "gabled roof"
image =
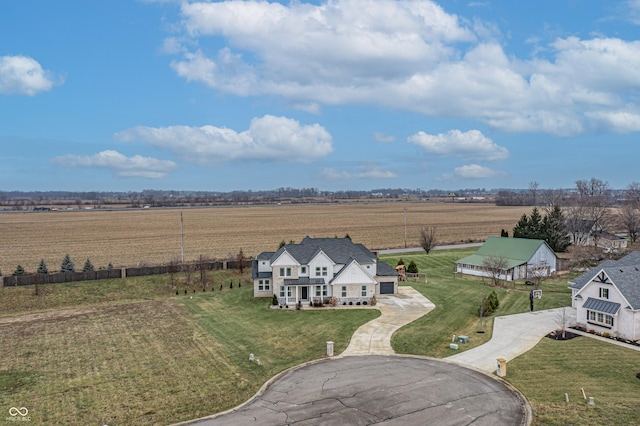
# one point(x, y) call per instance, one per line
point(632, 259)
point(339, 250)
point(623, 273)
point(516, 251)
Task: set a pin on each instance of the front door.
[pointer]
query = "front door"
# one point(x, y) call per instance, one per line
point(305, 293)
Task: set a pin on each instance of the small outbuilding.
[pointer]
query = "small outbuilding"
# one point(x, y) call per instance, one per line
point(521, 258)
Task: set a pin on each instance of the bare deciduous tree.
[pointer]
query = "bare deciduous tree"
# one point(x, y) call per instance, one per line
point(533, 192)
point(496, 266)
point(538, 273)
point(202, 267)
point(428, 238)
point(629, 220)
point(240, 259)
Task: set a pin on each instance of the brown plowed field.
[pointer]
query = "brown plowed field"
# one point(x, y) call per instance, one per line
point(152, 236)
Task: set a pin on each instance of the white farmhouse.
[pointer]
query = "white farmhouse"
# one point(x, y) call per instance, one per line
point(607, 297)
point(320, 268)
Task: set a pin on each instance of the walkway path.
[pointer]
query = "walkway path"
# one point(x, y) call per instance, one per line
point(374, 337)
point(512, 336)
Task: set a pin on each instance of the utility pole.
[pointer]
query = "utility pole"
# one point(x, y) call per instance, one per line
point(405, 227)
point(182, 235)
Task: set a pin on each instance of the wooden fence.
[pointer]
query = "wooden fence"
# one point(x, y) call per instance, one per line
point(57, 278)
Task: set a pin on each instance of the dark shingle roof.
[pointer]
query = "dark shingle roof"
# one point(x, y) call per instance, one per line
point(632, 259)
point(340, 250)
point(256, 274)
point(303, 281)
point(386, 270)
point(627, 280)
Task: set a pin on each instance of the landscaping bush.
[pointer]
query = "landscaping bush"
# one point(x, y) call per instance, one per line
point(412, 268)
point(274, 300)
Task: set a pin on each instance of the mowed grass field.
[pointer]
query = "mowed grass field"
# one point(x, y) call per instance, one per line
point(152, 236)
point(131, 360)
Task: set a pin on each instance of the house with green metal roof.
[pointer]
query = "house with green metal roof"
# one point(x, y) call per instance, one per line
point(521, 258)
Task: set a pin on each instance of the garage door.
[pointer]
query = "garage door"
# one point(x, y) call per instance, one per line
point(386, 288)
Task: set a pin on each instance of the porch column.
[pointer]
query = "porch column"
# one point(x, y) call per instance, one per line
point(286, 294)
point(297, 299)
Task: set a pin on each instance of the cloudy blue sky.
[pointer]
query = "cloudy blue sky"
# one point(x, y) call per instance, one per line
point(335, 94)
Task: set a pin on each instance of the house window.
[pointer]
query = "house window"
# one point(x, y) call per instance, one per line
point(264, 285)
point(289, 291)
point(364, 291)
point(599, 318)
point(344, 291)
point(319, 290)
point(321, 272)
point(324, 290)
point(303, 270)
point(604, 293)
point(285, 272)
point(282, 291)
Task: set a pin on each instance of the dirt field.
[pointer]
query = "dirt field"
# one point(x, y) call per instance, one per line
point(152, 236)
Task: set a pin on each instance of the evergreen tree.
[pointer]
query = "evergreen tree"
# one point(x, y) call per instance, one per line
point(348, 237)
point(536, 230)
point(88, 266)
point(67, 265)
point(19, 271)
point(42, 267)
point(110, 267)
point(412, 268)
point(521, 229)
point(504, 234)
point(400, 262)
point(556, 230)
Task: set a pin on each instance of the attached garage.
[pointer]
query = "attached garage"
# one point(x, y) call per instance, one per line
point(387, 287)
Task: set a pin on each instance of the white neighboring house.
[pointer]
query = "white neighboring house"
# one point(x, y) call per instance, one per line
point(607, 297)
point(320, 268)
point(523, 258)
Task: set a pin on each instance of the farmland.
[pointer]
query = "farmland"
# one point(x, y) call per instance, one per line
point(153, 236)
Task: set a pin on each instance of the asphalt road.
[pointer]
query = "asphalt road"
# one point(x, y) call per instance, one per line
point(374, 389)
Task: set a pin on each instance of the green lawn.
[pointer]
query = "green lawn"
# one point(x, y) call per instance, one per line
point(605, 371)
point(457, 298)
point(126, 360)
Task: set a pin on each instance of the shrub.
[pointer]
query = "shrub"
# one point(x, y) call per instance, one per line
point(350, 303)
point(298, 305)
point(364, 303)
point(67, 265)
point(42, 267)
point(374, 301)
point(412, 268)
point(333, 301)
point(19, 271)
point(400, 262)
point(88, 266)
point(358, 303)
point(274, 300)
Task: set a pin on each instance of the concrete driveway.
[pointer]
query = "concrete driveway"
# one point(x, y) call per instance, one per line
point(374, 337)
point(370, 390)
point(512, 336)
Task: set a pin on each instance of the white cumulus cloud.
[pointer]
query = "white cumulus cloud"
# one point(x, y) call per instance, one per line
point(371, 171)
point(268, 138)
point(411, 55)
point(22, 75)
point(119, 164)
point(455, 143)
point(475, 171)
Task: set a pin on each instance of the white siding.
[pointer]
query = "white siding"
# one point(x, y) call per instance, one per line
point(353, 274)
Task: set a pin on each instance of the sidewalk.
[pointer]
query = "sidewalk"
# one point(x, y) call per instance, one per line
point(512, 336)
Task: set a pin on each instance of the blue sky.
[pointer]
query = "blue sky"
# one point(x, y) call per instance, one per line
point(128, 95)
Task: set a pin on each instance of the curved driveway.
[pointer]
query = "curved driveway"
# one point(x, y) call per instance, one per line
point(374, 337)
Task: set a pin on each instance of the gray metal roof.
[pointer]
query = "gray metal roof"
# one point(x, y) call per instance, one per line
point(604, 306)
point(303, 281)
